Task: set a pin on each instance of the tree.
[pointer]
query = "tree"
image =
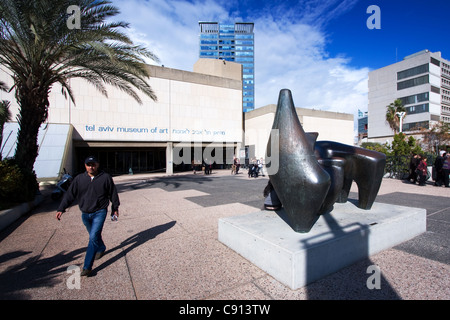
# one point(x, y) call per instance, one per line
point(392, 117)
point(405, 146)
point(40, 47)
point(437, 136)
point(5, 114)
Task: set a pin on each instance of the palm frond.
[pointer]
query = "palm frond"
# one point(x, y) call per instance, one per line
point(38, 47)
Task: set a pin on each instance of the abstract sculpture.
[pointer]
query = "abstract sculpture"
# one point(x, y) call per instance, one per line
point(312, 176)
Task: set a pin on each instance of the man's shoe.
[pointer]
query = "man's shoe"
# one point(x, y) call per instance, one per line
point(86, 272)
point(98, 255)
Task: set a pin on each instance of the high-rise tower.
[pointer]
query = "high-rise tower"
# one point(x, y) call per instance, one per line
point(232, 42)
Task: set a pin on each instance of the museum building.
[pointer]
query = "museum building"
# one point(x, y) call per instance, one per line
point(192, 108)
point(197, 117)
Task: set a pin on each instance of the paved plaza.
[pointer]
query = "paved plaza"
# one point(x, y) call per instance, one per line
point(165, 247)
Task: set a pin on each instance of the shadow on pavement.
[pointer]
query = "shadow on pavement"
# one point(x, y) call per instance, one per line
point(35, 272)
point(169, 181)
point(132, 242)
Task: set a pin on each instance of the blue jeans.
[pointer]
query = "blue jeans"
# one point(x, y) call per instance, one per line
point(94, 225)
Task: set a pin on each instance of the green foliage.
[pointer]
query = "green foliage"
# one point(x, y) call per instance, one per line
point(16, 185)
point(404, 147)
point(398, 154)
point(383, 148)
point(401, 146)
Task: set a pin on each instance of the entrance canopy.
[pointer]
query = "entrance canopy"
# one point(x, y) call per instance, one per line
point(54, 141)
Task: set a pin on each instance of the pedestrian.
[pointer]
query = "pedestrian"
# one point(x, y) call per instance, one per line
point(438, 164)
point(233, 166)
point(422, 170)
point(193, 165)
point(413, 163)
point(206, 164)
point(94, 189)
point(446, 168)
point(261, 166)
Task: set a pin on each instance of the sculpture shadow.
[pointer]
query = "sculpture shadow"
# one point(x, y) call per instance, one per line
point(354, 280)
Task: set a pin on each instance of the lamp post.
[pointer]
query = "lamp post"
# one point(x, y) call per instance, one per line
point(400, 116)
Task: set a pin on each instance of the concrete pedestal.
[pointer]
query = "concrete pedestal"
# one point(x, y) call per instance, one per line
point(338, 239)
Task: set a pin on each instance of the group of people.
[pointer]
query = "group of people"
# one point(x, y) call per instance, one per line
point(198, 165)
point(418, 171)
point(255, 168)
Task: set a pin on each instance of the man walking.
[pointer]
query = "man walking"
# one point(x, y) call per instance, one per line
point(93, 189)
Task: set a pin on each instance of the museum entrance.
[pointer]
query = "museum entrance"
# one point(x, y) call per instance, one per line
point(117, 161)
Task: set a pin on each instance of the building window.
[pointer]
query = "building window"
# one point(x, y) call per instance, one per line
point(413, 82)
point(435, 90)
point(210, 54)
point(435, 61)
point(208, 36)
point(418, 109)
point(241, 48)
point(413, 126)
point(412, 72)
point(208, 47)
point(421, 97)
point(243, 36)
point(435, 117)
point(244, 42)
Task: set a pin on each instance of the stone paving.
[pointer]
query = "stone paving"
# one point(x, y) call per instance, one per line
point(165, 247)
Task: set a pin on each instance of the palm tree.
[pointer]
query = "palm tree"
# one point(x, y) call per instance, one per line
point(40, 48)
point(5, 114)
point(392, 117)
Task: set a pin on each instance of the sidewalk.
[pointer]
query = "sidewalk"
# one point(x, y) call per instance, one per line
point(165, 246)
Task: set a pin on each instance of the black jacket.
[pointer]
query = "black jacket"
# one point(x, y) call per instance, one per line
point(92, 194)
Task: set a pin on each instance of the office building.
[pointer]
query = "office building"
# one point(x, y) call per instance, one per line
point(422, 82)
point(235, 43)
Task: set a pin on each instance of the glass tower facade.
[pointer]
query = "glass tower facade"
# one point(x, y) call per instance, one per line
point(232, 42)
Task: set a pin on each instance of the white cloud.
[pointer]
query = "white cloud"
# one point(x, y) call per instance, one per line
point(289, 50)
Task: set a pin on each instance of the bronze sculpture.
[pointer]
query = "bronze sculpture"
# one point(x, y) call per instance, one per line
point(312, 176)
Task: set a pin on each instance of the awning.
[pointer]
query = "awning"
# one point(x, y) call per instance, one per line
point(54, 142)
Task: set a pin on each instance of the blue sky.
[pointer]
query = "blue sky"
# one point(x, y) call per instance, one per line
point(406, 27)
point(320, 49)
